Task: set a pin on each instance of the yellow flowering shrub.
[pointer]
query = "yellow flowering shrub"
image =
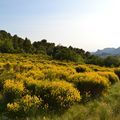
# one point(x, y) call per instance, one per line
point(90, 82)
point(111, 76)
point(82, 68)
point(35, 74)
point(58, 94)
point(14, 107)
point(61, 73)
point(98, 68)
point(25, 67)
point(26, 105)
point(20, 77)
point(33, 82)
point(30, 84)
point(13, 89)
point(117, 72)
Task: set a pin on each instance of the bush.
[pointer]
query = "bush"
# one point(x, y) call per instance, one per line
point(26, 106)
point(35, 74)
point(82, 68)
point(57, 95)
point(117, 72)
point(31, 84)
point(52, 74)
point(91, 83)
point(112, 77)
point(13, 89)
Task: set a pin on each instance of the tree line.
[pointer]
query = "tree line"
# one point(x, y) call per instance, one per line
point(15, 44)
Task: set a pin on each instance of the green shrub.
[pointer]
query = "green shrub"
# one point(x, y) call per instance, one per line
point(111, 76)
point(57, 95)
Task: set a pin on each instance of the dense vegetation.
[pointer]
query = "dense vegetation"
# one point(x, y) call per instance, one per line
point(42, 81)
point(36, 85)
point(15, 44)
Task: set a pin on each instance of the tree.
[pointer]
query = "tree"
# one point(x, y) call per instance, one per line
point(96, 60)
point(6, 46)
point(112, 61)
point(27, 47)
point(64, 53)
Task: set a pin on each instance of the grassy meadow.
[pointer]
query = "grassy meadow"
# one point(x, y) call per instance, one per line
point(36, 87)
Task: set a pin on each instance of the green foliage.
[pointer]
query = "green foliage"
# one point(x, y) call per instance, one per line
point(15, 44)
point(112, 61)
point(27, 46)
point(6, 46)
point(96, 60)
point(63, 53)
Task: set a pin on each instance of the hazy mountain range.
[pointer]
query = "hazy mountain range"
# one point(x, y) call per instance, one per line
point(107, 51)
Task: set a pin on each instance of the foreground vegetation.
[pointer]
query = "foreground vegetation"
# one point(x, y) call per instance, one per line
point(37, 86)
point(105, 108)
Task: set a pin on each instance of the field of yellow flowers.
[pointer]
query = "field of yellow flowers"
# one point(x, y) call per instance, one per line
point(31, 84)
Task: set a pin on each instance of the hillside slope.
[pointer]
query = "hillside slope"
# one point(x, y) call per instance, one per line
point(36, 85)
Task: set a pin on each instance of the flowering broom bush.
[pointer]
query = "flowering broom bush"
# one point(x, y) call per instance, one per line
point(117, 72)
point(13, 89)
point(90, 83)
point(82, 68)
point(58, 95)
point(25, 106)
point(111, 76)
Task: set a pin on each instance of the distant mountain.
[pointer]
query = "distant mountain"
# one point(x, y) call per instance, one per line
point(107, 52)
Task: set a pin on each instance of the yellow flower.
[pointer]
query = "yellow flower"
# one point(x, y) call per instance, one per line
point(13, 106)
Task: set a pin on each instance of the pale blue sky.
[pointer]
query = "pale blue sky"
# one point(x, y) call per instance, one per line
point(87, 24)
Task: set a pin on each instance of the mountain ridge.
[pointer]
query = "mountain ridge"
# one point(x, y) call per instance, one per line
point(108, 51)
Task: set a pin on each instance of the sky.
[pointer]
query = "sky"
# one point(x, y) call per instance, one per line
point(86, 24)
